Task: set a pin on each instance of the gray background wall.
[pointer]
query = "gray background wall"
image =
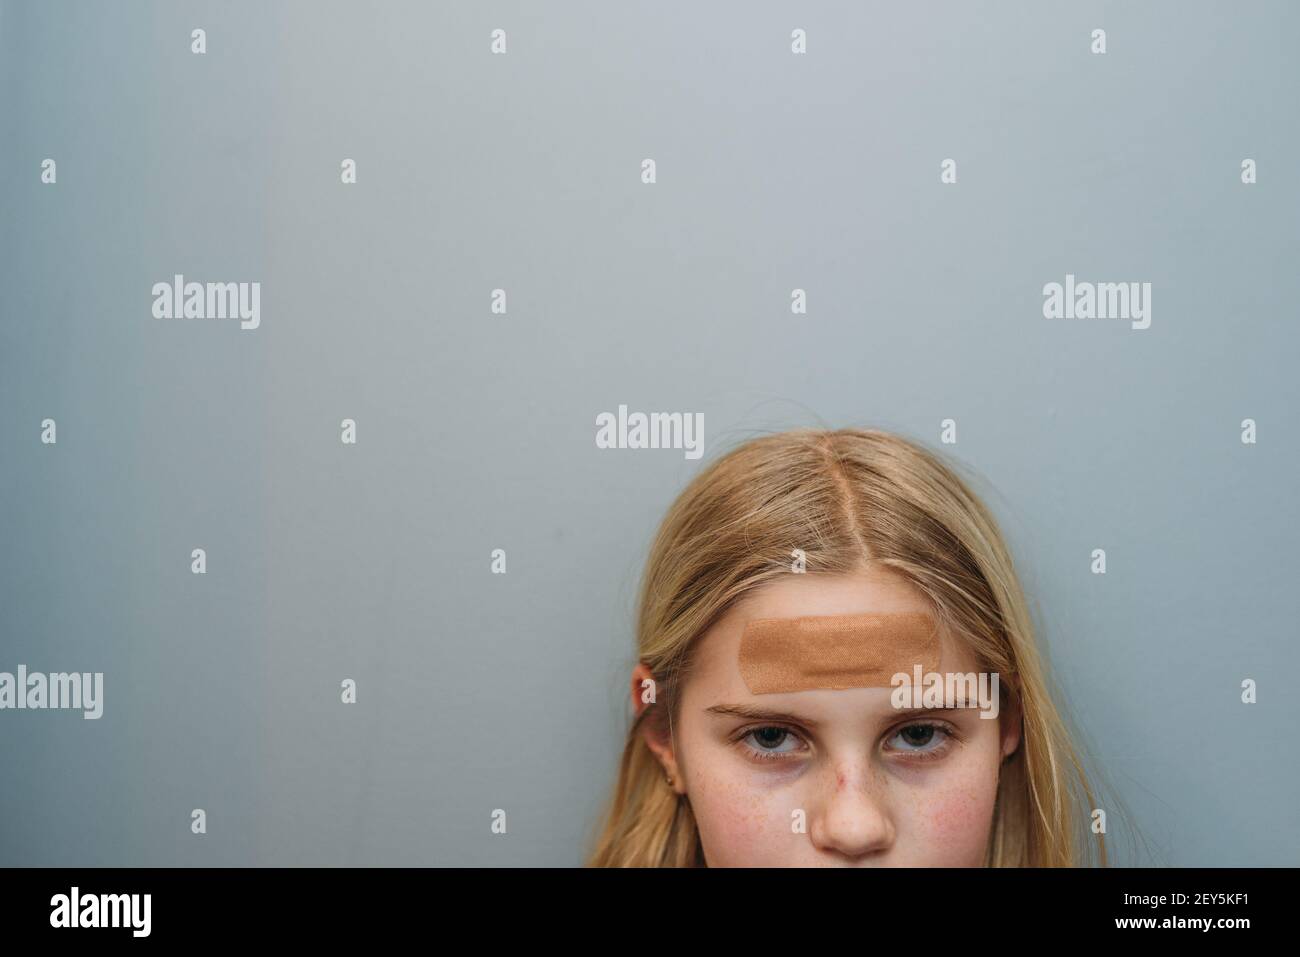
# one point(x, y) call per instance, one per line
point(476, 431)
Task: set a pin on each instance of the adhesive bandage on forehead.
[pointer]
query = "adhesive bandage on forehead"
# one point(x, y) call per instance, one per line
point(836, 651)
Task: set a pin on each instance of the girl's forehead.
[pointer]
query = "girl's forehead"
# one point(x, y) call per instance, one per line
point(886, 607)
point(878, 590)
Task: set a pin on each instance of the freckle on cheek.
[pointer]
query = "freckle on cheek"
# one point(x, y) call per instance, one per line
point(958, 818)
point(737, 826)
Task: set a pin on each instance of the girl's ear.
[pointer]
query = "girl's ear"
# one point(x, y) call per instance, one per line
point(653, 731)
point(1011, 726)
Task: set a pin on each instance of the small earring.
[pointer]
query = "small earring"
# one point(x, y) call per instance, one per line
point(668, 779)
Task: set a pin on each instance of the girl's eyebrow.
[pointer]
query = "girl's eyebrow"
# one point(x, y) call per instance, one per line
point(922, 712)
point(760, 714)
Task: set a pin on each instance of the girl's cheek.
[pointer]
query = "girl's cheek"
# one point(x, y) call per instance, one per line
point(953, 821)
point(740, 824)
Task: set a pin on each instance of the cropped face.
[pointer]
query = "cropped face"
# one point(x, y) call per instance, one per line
point(823, 777)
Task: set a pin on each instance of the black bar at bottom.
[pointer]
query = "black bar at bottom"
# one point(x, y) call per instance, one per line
point(337, 905)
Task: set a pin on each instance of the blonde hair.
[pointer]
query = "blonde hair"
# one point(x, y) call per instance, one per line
point(845, 498)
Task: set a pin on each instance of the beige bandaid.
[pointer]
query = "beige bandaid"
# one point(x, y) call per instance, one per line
point(836, 651)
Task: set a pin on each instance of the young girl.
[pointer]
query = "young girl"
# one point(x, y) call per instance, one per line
point(837, 523)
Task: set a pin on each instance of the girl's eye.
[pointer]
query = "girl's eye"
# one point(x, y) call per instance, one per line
point(771, 742)
point(928, 740)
